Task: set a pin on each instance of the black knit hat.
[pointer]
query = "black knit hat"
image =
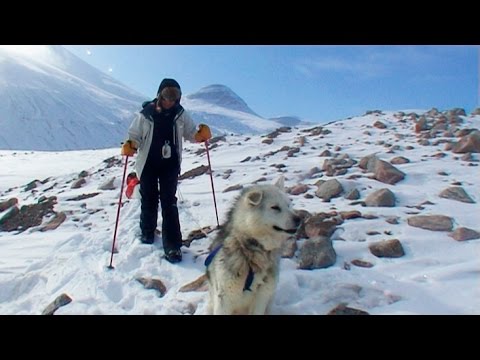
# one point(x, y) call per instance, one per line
point(168, 83)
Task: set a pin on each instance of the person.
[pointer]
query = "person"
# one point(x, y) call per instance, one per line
point(156, 134)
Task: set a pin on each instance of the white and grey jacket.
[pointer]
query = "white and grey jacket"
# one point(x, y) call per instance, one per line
point(141, 132)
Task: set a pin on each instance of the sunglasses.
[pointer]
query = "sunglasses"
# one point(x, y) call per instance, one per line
point(167, 98)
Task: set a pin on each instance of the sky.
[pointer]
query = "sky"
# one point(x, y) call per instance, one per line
point(437, 274)
point(317, 83)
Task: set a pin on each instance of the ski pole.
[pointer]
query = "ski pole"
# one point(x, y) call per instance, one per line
point(211, 180)
point(118, 211)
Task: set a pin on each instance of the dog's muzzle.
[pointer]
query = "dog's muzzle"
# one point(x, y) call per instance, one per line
point(288, 231)
point(297, 221)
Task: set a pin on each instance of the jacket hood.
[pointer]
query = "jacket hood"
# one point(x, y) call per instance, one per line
point(169, 83)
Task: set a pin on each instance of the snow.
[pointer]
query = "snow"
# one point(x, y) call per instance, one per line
point(437, 275)
point(55, 101)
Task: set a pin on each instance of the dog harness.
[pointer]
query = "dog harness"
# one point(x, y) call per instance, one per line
point(248, 281)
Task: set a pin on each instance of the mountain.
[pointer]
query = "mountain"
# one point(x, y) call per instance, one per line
point(52, 100)
point(221, 96)
point(225, 112)
point(289, 121)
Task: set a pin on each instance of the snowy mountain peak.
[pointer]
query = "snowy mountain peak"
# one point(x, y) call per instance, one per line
point(225, 112)
point(223, 96)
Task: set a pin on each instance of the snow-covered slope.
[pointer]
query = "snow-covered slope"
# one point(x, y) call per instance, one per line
point(435, 275)
point(52, 100)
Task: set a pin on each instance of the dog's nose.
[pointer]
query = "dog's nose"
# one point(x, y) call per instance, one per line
point(297, 220)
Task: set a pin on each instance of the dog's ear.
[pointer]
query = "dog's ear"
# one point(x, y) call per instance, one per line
point(255, 197)
point(280, 183)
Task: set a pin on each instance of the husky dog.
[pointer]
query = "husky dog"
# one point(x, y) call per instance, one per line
point(243, 265)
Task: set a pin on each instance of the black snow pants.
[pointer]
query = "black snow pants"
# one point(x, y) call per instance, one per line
point(155, 182)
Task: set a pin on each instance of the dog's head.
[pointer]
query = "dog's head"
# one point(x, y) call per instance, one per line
point(266, 215)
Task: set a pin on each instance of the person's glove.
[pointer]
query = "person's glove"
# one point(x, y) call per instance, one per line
point(203, 134)
point(132, 181)
point(128, 148)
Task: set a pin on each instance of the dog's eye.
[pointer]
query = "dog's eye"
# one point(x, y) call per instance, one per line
point(275, 207)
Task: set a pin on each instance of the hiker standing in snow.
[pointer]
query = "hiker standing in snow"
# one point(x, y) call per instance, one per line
point(157, 132)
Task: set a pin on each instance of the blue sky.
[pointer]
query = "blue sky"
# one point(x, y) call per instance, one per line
point(317, 83)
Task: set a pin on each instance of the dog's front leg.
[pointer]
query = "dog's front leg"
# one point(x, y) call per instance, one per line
point(264, 298)
point(268, 309)
point(261, 307)
point(221, 304)
point(229, 304)
point(218, 306)
point(209, 309)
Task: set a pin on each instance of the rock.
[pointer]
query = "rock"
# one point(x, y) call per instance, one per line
point(319, 226)
point(4, 205)
point(78, 183)
point(431, 222)
point(233, 188)
point(387, 173)
point(353, 194)
point(379, 125)
point(60, 301)
point(290, 248)
point(361, 263)
point(55, 222)
point(342, 309)
point(399, 160)
point(298, 189)
point(317, 254)
point(155, 284)
point(108, 185)
point(329, 189)
point(387, 248)
point(463, 234)
point(456, 193)
point(194, 172)
point(381, 198)
point(469, 143)
point(28, 216)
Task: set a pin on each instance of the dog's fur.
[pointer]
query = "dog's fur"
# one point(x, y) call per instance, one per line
point(257, 227)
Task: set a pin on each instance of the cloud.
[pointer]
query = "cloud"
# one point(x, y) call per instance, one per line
point(357, 67)
point(365, 62)
point(40, 53)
